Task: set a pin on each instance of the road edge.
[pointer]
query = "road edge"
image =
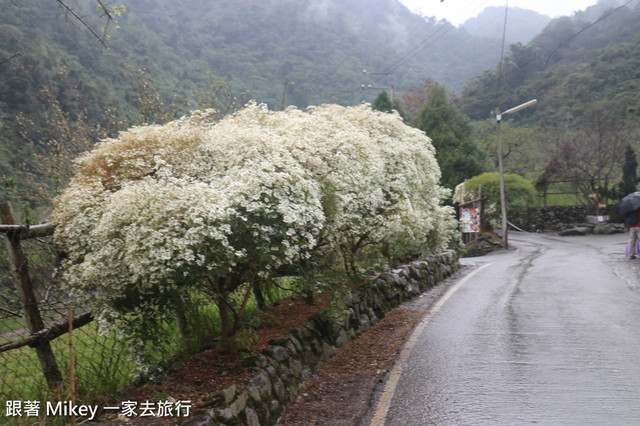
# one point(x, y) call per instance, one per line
point(383, 400)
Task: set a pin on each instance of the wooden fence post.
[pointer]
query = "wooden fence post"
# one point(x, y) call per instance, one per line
point(20, 269)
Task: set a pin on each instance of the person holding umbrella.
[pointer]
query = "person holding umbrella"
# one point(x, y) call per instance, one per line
point(629, 206)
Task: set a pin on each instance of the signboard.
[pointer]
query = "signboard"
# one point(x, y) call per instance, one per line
point(470, 219)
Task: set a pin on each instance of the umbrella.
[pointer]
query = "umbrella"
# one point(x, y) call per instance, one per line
point(629, 203)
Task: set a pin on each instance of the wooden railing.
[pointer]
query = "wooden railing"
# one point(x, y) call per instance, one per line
point(40, 335)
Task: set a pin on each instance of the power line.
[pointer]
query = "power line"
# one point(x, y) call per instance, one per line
point(560, 45)
point(413, 52)
point(410, 54)
point(504, 37)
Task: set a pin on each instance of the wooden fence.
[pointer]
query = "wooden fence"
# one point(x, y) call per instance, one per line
point(40, 334)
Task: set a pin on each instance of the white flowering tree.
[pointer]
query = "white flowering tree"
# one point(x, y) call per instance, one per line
point(379, 178)
point(218, 206)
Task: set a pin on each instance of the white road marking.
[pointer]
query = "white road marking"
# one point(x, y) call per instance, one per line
point(384, 402)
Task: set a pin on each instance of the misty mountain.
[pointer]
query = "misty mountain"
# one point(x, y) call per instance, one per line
point(259, 46)
point(60, 90)
point(592, 13)
point(321, 46)
point(582, 69)
point(522, 24)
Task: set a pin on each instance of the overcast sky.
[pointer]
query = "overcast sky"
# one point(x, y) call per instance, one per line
point(458, 11)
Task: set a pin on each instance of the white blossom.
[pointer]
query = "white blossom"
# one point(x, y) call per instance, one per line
point(164, 206)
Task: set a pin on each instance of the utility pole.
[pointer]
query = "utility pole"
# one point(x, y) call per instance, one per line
point(390, 83)
point(503, 203)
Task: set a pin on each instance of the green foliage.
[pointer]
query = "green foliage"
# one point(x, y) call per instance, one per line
point(219, 96)
point(584, 78)
point(519, 192)
point(101, 359)
point(385, 104)
point(629, 181)
point(458, 154)
point(382, 103)
point(219, 206)
point(255, 47)
point(570, 68)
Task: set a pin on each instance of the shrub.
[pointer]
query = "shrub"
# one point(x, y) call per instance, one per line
point(519, 192)
point(219, 206)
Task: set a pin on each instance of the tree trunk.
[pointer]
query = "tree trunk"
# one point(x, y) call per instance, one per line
point(225, 323)
point(257, 292)
point(181, 316)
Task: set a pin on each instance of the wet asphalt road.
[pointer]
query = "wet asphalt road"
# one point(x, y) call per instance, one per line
point(548, 333)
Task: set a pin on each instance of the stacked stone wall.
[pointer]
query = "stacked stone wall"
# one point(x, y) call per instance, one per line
point(282, 367)
point(555, 218)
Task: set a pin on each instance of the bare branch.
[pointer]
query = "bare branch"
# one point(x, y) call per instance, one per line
point(101, 39)
point(12, 313)
point(105, 10)
point(15, 55)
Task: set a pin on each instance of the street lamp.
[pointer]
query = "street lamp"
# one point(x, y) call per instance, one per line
point(503, 204)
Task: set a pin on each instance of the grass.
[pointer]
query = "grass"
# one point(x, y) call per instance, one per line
point(556, 200)
point(101, 361)
point(10, 324)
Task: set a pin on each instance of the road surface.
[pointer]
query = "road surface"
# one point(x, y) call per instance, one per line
point(546, 333)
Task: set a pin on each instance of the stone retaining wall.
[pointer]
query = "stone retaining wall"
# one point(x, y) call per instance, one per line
point(283, 366)
point(555, 218)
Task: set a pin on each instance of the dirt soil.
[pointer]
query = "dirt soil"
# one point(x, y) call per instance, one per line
point(341, 392)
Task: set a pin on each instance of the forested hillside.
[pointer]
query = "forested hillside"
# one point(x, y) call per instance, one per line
point(320, 47)
point(523, 25)
point(584, 72)
point(60, 89)
point(576, 67)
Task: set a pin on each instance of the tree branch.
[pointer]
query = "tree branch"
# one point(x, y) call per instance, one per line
point(105, 10)
point(82, 21)
point(15, 55)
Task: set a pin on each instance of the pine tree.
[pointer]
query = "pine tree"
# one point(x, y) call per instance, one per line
point(629, 172)
point(458, 154)
point(385, 104)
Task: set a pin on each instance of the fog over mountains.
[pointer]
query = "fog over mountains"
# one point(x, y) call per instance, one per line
point(57, 84)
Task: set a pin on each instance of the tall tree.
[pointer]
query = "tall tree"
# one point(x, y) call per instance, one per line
point(629, 172)
point(385, 104)
point(588, 159)
point(382, 102)
point(458, 154)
